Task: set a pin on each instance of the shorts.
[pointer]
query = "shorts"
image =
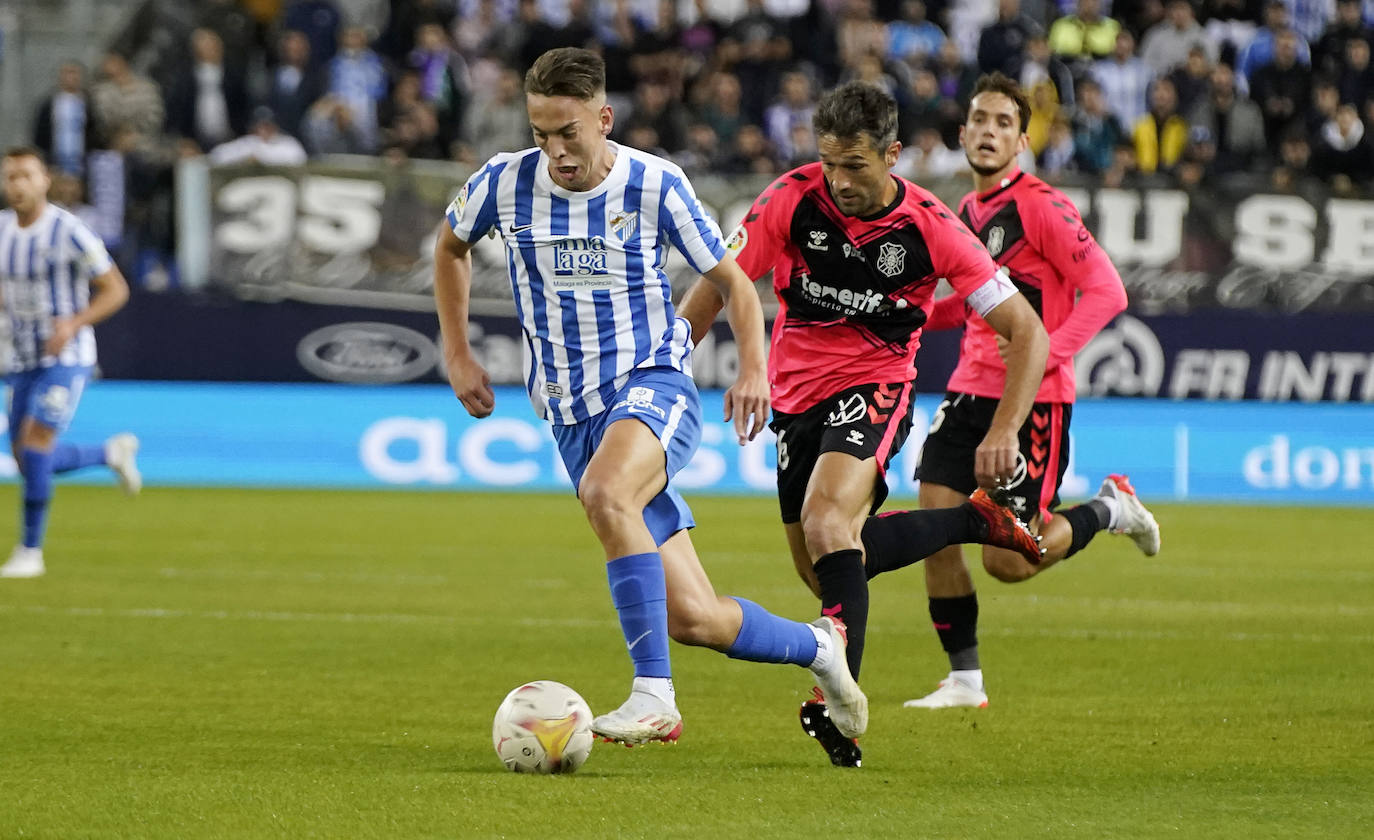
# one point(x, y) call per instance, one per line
point(960, 424)
point(47, 394)
point(867, 421)
point(666, 401)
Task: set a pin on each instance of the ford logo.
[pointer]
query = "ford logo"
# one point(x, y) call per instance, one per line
point(368, 352)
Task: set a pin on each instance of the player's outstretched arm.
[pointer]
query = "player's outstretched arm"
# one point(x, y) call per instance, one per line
point(746, 401)
point(1027, 348)
point(452, 288)
point(700, 306)
point(110, 292)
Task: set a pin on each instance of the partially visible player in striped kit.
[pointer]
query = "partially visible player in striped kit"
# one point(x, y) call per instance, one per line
point(56, 280)
point(586, 225)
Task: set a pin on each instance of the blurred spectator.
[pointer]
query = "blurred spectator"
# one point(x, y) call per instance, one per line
point(1002, 45)
point(914, 39)
point(956, 79)
point(235, 29)
point(655, 107)
point(1191, 79)
point(331, 128)
point(702, 154)
point(358, 81)
point(1231, 25)
point(1058, 155)
point(68, 192)
point(209, 105)
point(64, 126)
point(1096, 131)
point(750, 154)
point(1309, 18)
point(922, 106)
point(1045, 110)
point(657, 53)
point(1124, 79)
point(442, 79)
point(1167, 44)
point(409, 122)
point(859, 32)
point(1160, 135)
point(486, 30)
point(1328, 54)
point(1085, 35)
point(1262, 48)
point(795, 108)
point(407, 16)
point(542, 35)
point(869, 68)
point(928, 159)
point(499, 124)
point(1326, 98)
point(1342, 153)
point(126, 103)
point(756, 47)
point(293, 85)
point(319, 20)
point(1233, 121)
point(1124, 172)
point(1356, 78)
point(724, 111)
point(1282, 87)
point(266, 144)
point(1041, 66)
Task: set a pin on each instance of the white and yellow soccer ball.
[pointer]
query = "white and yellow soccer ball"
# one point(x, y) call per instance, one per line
point(543, 727)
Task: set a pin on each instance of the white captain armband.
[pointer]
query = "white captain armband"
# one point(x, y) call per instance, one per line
point(990, 295)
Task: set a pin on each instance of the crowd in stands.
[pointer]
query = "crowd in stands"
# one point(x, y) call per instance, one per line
point(1125, 91)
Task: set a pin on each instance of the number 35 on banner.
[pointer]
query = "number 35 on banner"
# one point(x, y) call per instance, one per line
point(325, 214)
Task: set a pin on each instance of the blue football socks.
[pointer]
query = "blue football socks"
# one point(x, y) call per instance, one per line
point(37, 495)
point(764, 637)
point(70, 456)
point(640, 597)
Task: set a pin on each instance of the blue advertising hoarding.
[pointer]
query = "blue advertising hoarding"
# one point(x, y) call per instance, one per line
point(417, 436)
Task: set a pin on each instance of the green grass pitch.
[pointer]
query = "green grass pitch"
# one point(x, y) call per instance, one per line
point(255, 664)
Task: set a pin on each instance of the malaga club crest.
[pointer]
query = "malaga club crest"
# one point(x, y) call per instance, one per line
point(891, 259)
point(624, 225)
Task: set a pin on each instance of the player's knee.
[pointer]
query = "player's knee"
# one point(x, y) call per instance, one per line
point(826, 530)
point(698, 623)
point(603, 502)
point(1007, 567)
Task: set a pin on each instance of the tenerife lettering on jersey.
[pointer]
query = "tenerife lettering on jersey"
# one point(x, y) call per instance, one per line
point(849, 300)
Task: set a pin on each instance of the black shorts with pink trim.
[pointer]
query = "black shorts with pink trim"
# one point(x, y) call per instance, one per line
point(960, 424)
point(867, 421)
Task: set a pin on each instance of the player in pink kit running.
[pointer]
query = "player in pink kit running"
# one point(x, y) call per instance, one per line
point(856, 254)
point(1036, 234)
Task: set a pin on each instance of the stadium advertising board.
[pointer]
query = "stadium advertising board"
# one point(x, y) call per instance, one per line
point(1216, 355)
point(417, 436)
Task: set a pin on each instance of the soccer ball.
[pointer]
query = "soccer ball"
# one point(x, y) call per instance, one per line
point(542, 727)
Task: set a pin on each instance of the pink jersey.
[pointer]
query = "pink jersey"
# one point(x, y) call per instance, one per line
point(854, 292)
point(1035, 232)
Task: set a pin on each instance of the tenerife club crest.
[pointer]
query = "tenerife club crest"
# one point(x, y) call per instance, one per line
point(996, 238)
point(891, 259)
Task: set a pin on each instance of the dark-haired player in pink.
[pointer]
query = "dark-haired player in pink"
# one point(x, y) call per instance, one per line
point(1036, 234)
point(856, 254)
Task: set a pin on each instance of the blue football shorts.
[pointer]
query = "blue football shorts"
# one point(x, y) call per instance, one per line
point(666, 401)
point(47, 394)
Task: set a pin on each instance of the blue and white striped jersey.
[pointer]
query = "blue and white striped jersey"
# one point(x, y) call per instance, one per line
point(587, 270)
point(45, 272)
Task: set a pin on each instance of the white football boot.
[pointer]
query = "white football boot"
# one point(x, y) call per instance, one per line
point(642, 719)
point(955, 691)
point(24, 562)
point(1132, 518)
point(847, 703)
point(121, 452)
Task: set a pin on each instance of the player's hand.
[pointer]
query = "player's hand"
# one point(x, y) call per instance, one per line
point(472, 385)
point(746, 402)
point(994, 462)
point(63, 331)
